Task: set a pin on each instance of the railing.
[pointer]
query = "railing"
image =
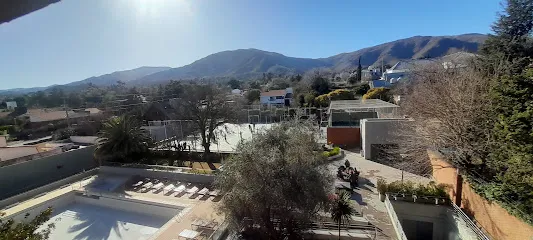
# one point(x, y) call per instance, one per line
point(479, 233)
point(395, 221)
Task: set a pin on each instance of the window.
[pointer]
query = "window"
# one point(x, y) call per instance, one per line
point(279, 97)
point(271, 98)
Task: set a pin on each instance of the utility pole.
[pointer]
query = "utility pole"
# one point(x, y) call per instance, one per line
point(66, 111)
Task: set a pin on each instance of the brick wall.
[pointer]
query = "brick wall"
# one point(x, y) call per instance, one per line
point(346, 136)
point(495, 220)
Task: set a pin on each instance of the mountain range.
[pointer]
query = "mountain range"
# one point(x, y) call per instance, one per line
point(249, 63)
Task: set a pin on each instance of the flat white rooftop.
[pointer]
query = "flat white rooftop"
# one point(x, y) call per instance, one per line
point(228, 137)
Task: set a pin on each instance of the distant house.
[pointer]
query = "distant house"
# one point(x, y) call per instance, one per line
point(11, 105)
point(38, 117)
point(379, 83)
point(277, 97)
point(401, 69)
point(236, 91)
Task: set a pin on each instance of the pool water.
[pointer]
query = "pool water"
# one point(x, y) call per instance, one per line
point(88, 221)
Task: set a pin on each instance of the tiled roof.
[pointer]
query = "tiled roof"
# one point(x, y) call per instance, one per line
point(274, 93)
point(45, 115)
point(93, 110)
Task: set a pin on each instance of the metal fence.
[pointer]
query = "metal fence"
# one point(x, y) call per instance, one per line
point(479, 233)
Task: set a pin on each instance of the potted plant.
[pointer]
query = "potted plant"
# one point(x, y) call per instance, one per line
point(382, 189)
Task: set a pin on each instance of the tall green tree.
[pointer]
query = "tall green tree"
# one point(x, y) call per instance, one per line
point(253, 95)
point(507, 57)
point(234, 83)
point(359, 71)
point(27, 230)
point(276, 183)
point(342, 209)
point(510, 49)
point(122, 139)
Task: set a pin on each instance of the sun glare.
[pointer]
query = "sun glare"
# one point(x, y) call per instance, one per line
point(157, 8)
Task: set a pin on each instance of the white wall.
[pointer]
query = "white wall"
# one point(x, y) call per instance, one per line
point(7, 153)
point(379, 131)
point(435, 214)
point(185, 177)
point(11, 105)
point(3, 142)
point(132, 205)
point(84, 139)
point(266, 100)
point(55, 203)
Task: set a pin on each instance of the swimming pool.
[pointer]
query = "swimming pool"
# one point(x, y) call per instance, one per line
point(103, 218)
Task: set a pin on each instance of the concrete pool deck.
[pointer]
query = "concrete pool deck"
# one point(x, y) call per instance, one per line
point(191, 209)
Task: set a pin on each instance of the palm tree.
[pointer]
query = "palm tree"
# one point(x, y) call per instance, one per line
point(342, 209)
point(122, 138)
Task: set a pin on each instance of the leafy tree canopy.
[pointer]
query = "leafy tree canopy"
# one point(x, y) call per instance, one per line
point(11, 230)
point(276, 182)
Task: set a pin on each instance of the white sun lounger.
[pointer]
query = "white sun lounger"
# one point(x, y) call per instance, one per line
point(148, 185)
point(169, 188)
point(158, 186)
point(139, 183)
point(214, 193)
point(193, 190)
point(179, 189)
point(203, 191)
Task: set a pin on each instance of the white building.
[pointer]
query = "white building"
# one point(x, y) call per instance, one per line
point(11, 105)
point(277, 97)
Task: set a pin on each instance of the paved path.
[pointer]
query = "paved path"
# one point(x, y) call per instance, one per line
point(366, 195)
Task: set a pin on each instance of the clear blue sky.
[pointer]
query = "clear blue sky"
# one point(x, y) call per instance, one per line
point(74, 39)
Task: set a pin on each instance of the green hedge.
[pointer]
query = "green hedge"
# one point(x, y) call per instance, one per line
point(335, 151)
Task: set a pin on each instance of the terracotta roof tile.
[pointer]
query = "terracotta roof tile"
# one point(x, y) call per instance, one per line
point(274, 93)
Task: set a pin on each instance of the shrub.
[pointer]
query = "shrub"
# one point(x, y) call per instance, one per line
point(382, 186)
point(335, 151)
point(408, 187)
point(378, 93)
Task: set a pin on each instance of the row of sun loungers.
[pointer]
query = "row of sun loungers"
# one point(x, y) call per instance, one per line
point(171, 188)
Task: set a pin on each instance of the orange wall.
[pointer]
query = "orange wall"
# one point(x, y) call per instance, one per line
point(348, 136)
point(490, 216)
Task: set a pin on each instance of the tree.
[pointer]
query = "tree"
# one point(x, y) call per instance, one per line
point(301, 100)
point(320, 84)
point(448, 108)
point(352, 79)
point(122, 139)
point(379, 93)
point(342, 209)
point(359, 71)
point(234, 84)
point(255, 85)
point(207, 107)
point(276, 183)
point(341, 94)
point(11, 230)
point(507, 58)
point(511, 48)
point(253, 95)
point(361, 89)
point(310, 99)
